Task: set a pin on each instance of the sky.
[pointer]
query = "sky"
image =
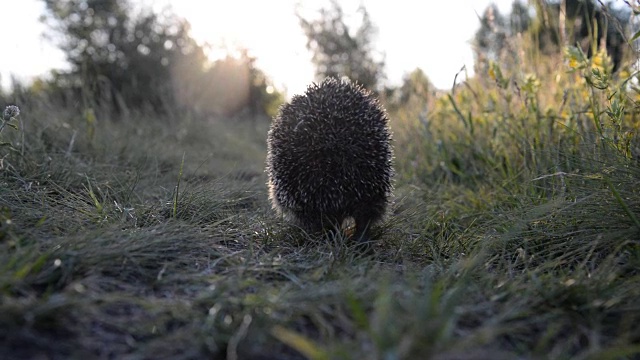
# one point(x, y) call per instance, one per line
point(432, 35)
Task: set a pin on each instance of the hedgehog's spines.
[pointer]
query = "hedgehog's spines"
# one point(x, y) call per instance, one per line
point(330, 157)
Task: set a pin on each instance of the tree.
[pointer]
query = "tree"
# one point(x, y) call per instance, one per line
point(490, 39)
point(416, 87)
point(264, 98)
point(415, 92)
point(118, 60)
point(148, 62)
point(339, 51)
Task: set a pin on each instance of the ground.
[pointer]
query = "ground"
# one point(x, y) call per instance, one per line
point(154, 238)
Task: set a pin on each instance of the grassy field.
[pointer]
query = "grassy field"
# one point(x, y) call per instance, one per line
point(514, 233)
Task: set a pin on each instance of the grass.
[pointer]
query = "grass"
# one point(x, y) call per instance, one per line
point(513, 234)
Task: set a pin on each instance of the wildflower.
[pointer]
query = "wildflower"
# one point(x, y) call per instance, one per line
point(597, 62)
point(492, 73)
point(600, 61)
point(575, 57)
point(625, 74)
point(531, 84)
point(573, 63)
point(10, 111)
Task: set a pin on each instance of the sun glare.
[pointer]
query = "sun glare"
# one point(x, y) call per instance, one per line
point(434, 36)
point(268, 31)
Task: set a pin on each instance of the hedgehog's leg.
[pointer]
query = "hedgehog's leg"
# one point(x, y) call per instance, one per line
point(362, 233)
point(331, 225)
point(366, 216)
point(313, 225)
point(362, 236)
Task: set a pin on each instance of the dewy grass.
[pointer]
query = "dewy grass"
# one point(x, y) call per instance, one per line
point(513, 234)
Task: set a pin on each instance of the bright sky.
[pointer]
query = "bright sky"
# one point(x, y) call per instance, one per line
point(434, 35)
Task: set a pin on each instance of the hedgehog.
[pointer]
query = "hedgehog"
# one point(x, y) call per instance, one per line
point(330, 158)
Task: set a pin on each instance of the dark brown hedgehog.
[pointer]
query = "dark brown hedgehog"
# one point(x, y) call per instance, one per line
point(330, 158)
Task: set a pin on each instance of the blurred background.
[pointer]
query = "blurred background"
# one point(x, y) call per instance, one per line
point(224, 57)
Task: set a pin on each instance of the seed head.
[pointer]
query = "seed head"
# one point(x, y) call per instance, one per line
point(10, 111)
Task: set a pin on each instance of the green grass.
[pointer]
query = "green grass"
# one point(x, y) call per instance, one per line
point(513, 234)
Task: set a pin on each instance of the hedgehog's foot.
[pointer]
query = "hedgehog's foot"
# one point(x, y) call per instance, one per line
point(362, 236)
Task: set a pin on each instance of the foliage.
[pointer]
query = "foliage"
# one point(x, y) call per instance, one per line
point(264, 98)
point(491, 37)
point(340, 51)
point(553, 26)
point(146, 63)
point(119, 60)
point(416, 90)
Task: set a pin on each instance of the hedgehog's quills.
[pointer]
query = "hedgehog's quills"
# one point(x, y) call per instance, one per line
point(330, 158)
